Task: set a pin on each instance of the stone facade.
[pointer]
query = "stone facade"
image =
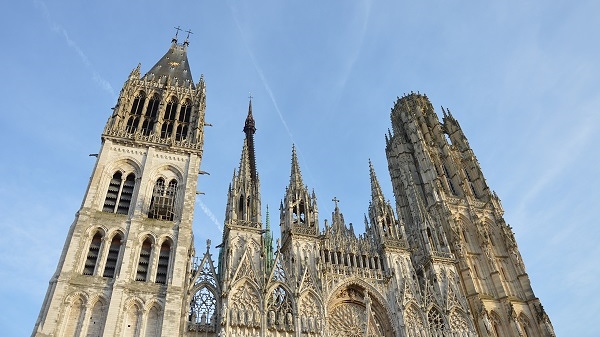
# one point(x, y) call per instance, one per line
point(443, 263)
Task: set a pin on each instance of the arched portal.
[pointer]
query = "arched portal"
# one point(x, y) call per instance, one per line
point(356, 312)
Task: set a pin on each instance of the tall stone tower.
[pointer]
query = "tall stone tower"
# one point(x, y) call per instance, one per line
point(126, 259)
point(453, 219)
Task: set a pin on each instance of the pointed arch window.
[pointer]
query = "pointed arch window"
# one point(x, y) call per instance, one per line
point(119, 194)
point(203, 310)
point(162, 268)
point(144, 260)
point(169, 118)
point(113, 255)
point(136, 112)
point(436, 322)
point(162, 205)
point(184, 119)
point(92, 255)
point(150, 115)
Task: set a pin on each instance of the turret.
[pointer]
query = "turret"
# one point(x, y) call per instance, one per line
point(299, 214)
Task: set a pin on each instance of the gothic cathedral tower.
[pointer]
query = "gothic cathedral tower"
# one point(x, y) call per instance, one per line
point(124, 266)
point(452, 218)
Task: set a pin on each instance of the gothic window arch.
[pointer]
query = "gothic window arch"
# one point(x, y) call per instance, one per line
point(185, 113)
point(413, 322)
point(91, 261)
point(136, 112)
point(162, 266)
point(459, 324)
point(203, 310)
point(150, 115)
point(119, 193)
point(144, 260)
point(169, 118)
point(437, 327)
point(280, 310)
point(113, 255)
point(162, 205)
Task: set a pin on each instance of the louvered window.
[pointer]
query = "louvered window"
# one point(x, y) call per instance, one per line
point(163, 263)
point(162, 204)
point(119, 194)
point(144, 261)
point(92, 256)
point(113, 256)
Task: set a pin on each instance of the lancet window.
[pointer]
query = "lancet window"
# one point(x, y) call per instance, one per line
point(113, 255)
point(162, 268)
point(144, 260)
point(162, 205)
point(136, 112)
point(119, 194)
point(184, 119)
point(169, 118)
point(150, 115)
point(92, 255)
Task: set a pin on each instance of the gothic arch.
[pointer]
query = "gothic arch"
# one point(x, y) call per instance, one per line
point(352, 304)
point(413, 320)
point(244, 305)
point(73, 317)
point(204, 307)
point(310, 313)
point(94, 240)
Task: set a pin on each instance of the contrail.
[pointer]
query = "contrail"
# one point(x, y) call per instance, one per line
point(267, 88)
point(96, 77)
point(209, 214)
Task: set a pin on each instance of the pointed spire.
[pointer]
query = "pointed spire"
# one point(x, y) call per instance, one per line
point(268, 242)
point(295, 176)
point(376, 193)
point(249, 130)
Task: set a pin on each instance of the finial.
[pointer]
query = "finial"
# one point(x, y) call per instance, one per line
point(177, 29)
point(207, 245)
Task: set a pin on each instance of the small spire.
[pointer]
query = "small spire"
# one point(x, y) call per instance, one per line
point(295, 176)
point(376, 193)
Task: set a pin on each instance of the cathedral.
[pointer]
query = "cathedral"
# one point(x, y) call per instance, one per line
point(439, 261)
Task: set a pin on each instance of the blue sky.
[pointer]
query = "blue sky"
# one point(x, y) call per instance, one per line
point(522, 78)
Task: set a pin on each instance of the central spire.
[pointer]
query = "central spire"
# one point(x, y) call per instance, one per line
point(249, 130)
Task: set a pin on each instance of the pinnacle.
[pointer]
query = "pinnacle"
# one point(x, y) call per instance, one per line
point(295, 175)
point(376, 193)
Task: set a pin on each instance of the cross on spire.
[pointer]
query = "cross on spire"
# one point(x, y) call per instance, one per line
point(336, 201)
point(250, 95)
point(177, 29)
point(189, 31)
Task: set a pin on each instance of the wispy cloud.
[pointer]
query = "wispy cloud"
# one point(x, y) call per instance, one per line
point(58, 29)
